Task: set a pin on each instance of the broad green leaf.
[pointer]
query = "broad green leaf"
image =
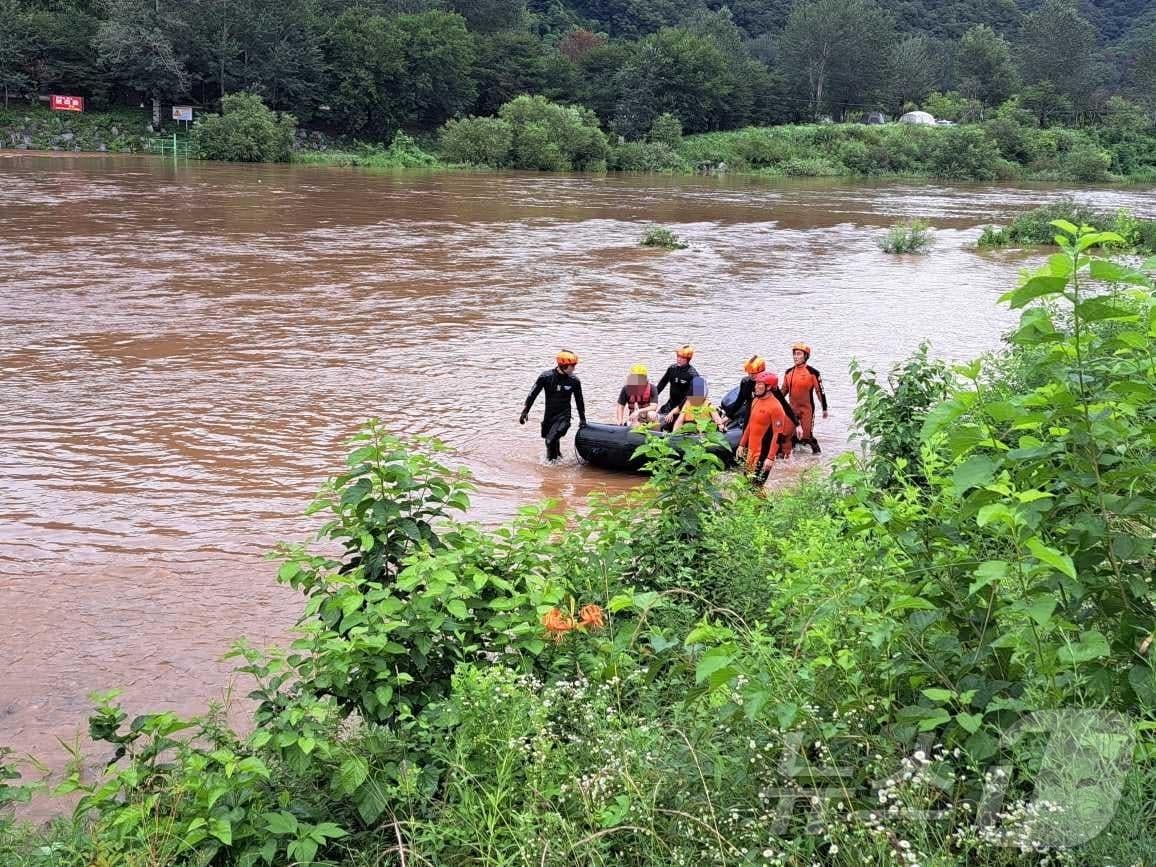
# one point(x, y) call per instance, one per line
point(1041, 610)
point(905, 603)
point(281, 823)
point(327, 831)
point(970, 722)
point(1103, 310)
point(986, 573)
point(976, 471)
point(1056, 559)
point(1066, 226)
point(306, 744)
point(303, 850)
point(935, 720)
point(222, 829)
point(936, 694)
point(1092, 645)
point(354, 771)
point(713, 660)
point(995, 512)
point(1114, 272)
point(1040, 286)
point(785, 713)
point(458, 609)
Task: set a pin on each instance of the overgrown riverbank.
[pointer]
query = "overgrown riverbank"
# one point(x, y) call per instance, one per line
point(532, 133)
point(941, 654)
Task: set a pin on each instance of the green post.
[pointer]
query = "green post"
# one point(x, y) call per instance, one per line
point(174, 148)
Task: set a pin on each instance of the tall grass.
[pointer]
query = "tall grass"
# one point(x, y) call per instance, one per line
point(909, 237)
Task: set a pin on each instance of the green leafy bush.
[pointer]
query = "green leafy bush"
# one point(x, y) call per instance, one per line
point(965, 153)
point(698, 673)
point(1036, 227)
point(245, 131)
point(660, 236)
point(666, 130)
point(551, 137)
point(477, 141)
point(910, 237)
point(645, 157)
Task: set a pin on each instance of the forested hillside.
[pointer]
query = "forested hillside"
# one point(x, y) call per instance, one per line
point(368, 69)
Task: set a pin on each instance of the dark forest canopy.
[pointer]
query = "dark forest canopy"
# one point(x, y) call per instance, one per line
point(370, 68)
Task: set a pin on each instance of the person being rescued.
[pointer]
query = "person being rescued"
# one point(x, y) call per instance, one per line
point(638, 400)
point(736, 415)
point(560, 384)
point(697, 408)
point(770, 428)
point(801, 383)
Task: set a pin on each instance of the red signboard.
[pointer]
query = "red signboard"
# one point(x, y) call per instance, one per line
point(67, 103)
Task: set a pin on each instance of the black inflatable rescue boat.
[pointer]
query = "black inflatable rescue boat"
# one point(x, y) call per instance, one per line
point(612, 446)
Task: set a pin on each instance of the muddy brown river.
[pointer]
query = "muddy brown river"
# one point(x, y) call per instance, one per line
point(184, 350)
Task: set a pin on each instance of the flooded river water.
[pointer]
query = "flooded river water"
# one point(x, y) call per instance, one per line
point(184, 350)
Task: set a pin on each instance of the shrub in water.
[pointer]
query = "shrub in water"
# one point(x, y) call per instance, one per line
point(659, 236)
point(1086, 162)
point(912, 237)
point(552, 137)
point(477, 141)
point(245, 131)
point(638, 156)
point(965, 153)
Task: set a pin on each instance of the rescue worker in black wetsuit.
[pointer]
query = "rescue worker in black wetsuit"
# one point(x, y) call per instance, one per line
point(738, 411)
point(559, 384)
point(678, 376)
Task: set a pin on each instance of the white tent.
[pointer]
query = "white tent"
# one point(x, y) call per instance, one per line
point(920, 117)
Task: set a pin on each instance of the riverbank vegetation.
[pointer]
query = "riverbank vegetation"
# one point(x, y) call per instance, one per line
point(1039, 90)
point(1035, 227)
point(942, 653)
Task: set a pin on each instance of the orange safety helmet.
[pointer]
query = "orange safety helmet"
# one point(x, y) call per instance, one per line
point(768, 378)
point(802, 347)
point(755, 364)
point(566, 358)
point(685, 351)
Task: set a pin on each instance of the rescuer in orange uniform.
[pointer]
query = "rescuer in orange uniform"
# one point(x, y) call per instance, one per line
point(769, 429)
point(801, 383)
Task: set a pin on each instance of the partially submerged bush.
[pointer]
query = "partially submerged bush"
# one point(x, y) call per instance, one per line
point(477, 141)
point(909, 237)
point(638, 156)
point(660, 236)
point(552, 137)
point(1036, 227)
point(245, 131)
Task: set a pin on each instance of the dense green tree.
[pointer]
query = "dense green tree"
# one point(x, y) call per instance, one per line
point(552, 137)
point(634, 19)
point(438, 61)
point(983, 66)
point(365, 61)
point(17, 41)
point(1142, 69)
point(678, 72)
point(1058, 45)
point(599, 72)
point(282, 57)
point(408, 70)
point(1046, 103)
point(490, 16)
point(137, 43)
point(508, 64)
point(913, 71)
point(59, 53)
point(836, 52)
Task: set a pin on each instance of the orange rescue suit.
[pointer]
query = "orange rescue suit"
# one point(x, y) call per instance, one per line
point(801, 383)
point(767, 432)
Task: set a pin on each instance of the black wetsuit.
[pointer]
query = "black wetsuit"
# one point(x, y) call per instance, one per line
point(559, 387)
point(738, 412)
point(679, 379)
